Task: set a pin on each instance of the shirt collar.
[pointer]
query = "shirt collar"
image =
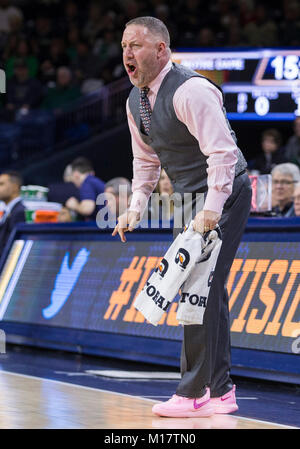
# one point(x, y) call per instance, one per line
point(155, 84)
point(9, 206)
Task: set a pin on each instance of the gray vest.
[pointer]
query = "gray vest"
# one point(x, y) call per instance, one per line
point(175, 146)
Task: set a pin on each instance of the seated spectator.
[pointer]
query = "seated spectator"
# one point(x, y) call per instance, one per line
point(73, 38)
point(284, 178)
point(120, 193)
point(58, 98)
point(94, 23)
point(89, 188)
point(206, 37)
point(23, 51)
point(14, 211)
point(60, 192)
point(42, 35)
point(71, 16)
point(57, 57)
point(263, 30)
point(106, 46)
point(296, 198)
point(85, 65)
point(289, 28)
point(272, 154)
point(23, 93)
point(7, 13)
point(162, 207)
point(292, 148)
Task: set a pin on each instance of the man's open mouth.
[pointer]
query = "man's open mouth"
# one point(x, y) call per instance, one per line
point(131, 68)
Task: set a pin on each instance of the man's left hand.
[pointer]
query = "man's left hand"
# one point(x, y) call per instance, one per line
point(206, 220)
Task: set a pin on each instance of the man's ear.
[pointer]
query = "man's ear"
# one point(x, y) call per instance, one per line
point(161, 49)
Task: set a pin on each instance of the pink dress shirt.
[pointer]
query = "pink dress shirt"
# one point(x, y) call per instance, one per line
point(198, 104)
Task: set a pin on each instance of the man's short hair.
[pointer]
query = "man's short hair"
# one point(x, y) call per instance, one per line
point(82, 164)
point(14, 176)
point(154, 25)
point(116, 183)
point(288, 169)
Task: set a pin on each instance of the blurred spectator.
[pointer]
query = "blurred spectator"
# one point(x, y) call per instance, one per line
point(289, 28)
point(94, 24)
point(296, 198)
point(85, 65)
point(14, 212)
point(164, 186)
point(58, 98)
point(206, 37)
point(57, 57)
point(23, 51)
point(284, 178)
point(91, 85)
point(71, 16)
point(42, 35)
point(120, 193)
point(60, 192)
point(8, 13)
point(234, 32)
point(89, 188)
point(73, 38)
point(164, 208)
point(262, 31)
point(292, 148)
point(246, 11)
point(107, 46)
point(272, 153)
point(23, 93)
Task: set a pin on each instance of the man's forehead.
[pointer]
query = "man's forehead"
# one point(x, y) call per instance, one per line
point(132, 32)
point(282, 175)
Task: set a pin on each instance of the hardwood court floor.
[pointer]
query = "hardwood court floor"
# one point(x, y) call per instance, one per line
point(28, 402)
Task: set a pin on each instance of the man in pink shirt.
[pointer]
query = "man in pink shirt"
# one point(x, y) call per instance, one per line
point(177, 121)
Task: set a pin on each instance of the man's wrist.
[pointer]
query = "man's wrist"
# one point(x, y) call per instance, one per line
point(215, 201)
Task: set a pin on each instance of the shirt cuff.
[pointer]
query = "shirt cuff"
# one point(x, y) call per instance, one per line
point(138, 202)
point(215, 200)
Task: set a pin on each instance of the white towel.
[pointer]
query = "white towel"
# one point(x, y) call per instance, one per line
point(191, 255)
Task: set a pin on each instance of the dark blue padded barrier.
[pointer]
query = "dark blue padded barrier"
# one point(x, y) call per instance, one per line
point(71, 287)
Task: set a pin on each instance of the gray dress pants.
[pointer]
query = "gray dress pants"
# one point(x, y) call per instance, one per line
point(205, 356)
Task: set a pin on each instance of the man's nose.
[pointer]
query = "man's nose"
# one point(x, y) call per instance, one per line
point(127, 52)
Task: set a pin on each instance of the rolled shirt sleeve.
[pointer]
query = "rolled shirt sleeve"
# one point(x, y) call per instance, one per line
point(199, 105)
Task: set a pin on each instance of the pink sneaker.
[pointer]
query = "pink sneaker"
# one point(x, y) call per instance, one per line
point(226, 403)
point(180, 407)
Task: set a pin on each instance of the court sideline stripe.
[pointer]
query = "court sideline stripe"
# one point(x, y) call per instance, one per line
point(131, 396)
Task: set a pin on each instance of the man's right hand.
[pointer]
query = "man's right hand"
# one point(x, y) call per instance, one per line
point(126, 222)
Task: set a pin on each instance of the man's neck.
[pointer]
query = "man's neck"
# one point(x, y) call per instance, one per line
point(10, 200)
point(159, 77)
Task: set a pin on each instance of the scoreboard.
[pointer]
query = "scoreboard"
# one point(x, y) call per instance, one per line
point(262, 84)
